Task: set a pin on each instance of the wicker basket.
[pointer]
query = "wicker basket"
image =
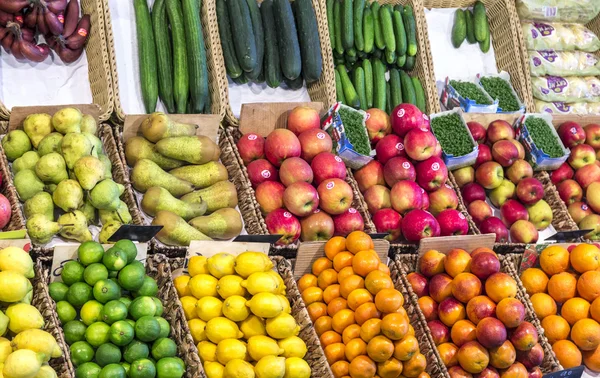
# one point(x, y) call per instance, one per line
point(507, 37)
point(409, 263)
point(17, 221)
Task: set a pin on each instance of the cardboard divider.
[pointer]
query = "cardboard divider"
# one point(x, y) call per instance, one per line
point(445, 244)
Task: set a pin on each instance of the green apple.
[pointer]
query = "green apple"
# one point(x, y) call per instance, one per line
point(505, 191)
point(540, 214)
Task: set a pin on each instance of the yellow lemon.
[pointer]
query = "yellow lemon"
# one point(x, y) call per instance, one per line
point(13, 286)
point(197, 330)
point(234, 308)
point(46, 371)
point(251, 262)
point(214, 369)
point(37, 341)
point(208, 308)
point(219, 329)
point(23, 363)
point(296, 368)
point(261, 346)
point(23, 317)
point(16, 260)
point(285, 303)
point(293, 346)
point(189, 307)
point(181, 285)
point(252, 326)
point(221, 264)
point(265, 305)
point(279, 280)
point(197, 265)
point(282, 326)
point(5, 349)
point(261, 282)
point(207, 351)
point(3, 323)
point(230, 349)
point(203, 285)
point(230, 285)
point(238, 369)
point(270, 367)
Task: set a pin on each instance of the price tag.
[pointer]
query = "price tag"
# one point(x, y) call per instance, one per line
point(575, 372)
point(568, 236)
point(529, 259)
point(135, 233)
point(379, 235)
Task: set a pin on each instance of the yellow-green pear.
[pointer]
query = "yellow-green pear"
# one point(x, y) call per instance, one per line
point(193, 149)
point(138, 148)
point(202, 176)
point(67, 120)
point(50, 143)
point(40, 229)
point(158, 126)
point(175, 230)
point(68, 195)
point(27, 161)
point(223, 224)
point(147, 174)
point(89, 125)
point(37, 126)
point(15, 144)
point(220, 195)
point(74, 226)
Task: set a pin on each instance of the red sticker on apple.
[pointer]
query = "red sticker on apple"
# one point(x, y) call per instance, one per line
point(573, 130)
point(399, 146)
point(422, 190)
point(352, 210)
point(287, 215)
point(368, 116)
point(584, 207)
point(401, 113)
point(424, 129)
point(320, 135)
point(252, 136)
point(435, 166)
point(406, 165)
point(330, 185)
point(265, 173)
point(338, 159)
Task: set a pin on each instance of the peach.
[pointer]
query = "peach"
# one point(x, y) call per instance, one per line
point(458, 372)
point(457, 261)
point(501, 357)
point(511, 312)
point(303, 118)
point(466, 286)
point(484, 264)
point(480, 308)
point(448, 353)
point(450, 311)
point(440, 287)
point(462, 332)
point(432, 263)
point(488, 372)
point(473, 357)
point(524, 337)
point(532, 357)
point(516, 370)
point(499, 286)
point(428, 307)
point(491, 332)
point(419, 283)
point(439, 332)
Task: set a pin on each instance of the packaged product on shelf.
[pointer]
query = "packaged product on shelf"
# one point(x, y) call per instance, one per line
point(543, 148)
point(579, 11)
point(459, 149)
point(559, 36)
point(468, 95)
point(498, 87)
point(582, 108)
point(566, 89)
point(563, 63)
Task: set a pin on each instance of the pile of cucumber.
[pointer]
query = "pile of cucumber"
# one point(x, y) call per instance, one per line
point(274, 43)
point(172, 57)
point(472, 26)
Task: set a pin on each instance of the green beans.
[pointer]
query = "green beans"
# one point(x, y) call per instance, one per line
point(501, 90)
point(355, 130)
point(543, 137)
point(470, 91)
point(452, 134)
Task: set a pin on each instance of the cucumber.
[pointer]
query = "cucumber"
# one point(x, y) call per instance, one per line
point(287, 39)
point(347, 24)
point(459, 29)
point(379, 41)
point(379, 99)
point(408, 89)
point(338, 61)
point(164, 58)
point(387, 28)
point(368, 71)
point(388, 98)
point(330, 22)
point(339, 89)
point(242, 79)
point(390, 56)
point(359, 7)
point(470, 32)
point(485, 45)
point(243, 35)
point(147, 55)
point(310, 46)
point(272, 69)
point(351, 59)
point(395, 87)
point(419, 94)
point(297, 83)
point(359, 84)
point(399, 31)
point(351, 52)
point(377, 54)
point(349, 92)
point(410, 63)
point(411, 30)
point(481, 28)
point(337, 17)
point(259, 38)
point(368, 30)
point(231, 63)
point(401, 61)
point(196, 57)
point(181, 83)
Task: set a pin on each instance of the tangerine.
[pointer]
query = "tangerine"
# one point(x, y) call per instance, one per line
point(331, 292)
point(326, 278)
point(350, 333)
point(364, 262)
point(365, 312)
point(323, 324)
point(383, 268)
point(320, 265)
point(585, 257)
point(370, 329)
point(380, 348)
point(391, 368)
point(330, 337)
point(334, 246)
point(342, 260)
point(355, 348)
point(388, 300)
point(543, 305)
point(394, 326)
point(415, 366)
point(342, 319)
point(345, 273)
point(556, 328)
point(340, 369)
point(307, 280)
point(591, 359)
point(312, 294)
point(377, 281)
point(362, 367)
point(595, 309)
point(336, 305)
point(575, 309)
point(358, 241)
point(358, 297)
point(406, 348)
point(316, 310)
point(350, 284)
point(586, 334)
point(334, 353)
point(588, 285)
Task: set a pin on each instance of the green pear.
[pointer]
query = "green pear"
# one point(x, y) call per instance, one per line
point(40, 229)
point(96, 143)
point(89, 171)
point(27, 161)
point(75, 146)
point(222, 224)
point(51, 168)
point(175, 231)
point(89, 125)
point(218, 196)
point(68, 195)
point(27, 184)
point(146, 174)
point(50, 143)
point(37, 126)
point(202, 176)
point(156, 199)
point(89, 211)
point(107, 165)
point(15, 144)
point(50, 188)
point(193, 149)
point(158, 126)
point(138, 148)
point(105, 195)
point(67, 120)
point(42, 204)
point(120, 215)
point(108, 229)
point(74, 226)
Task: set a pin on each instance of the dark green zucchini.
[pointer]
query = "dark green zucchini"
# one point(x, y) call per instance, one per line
point(243, 34)
point(165, 56)
point(272, 69)
point(231, 63)
point(287, 39)
point(310, 45)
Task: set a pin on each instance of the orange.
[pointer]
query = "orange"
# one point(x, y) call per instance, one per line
point(585, 257)
point(388, 300)
point(326, 278)
point(448, 353)
point(424, 375)
point(331, 292)
point(567, 353)
point(345, 273)
point(334, 353)
point(342, 260)
point(562, 287)
point(350, 333)
point(473, 357)
point(406, 348)
point(340, 369)
point(534, 280)
point(591, 359)
point(316, 310)
point(575, 309)
point(383, 268)
point(365, 312)
point(342, 319)
point(312, 295)
point(351, 283)
point(394, 326)
point(389, 369)
point(554, 260)
point(595, 309)
point(330, 337)
point(323, 324)
point(588, 285)
point(336, 305)
point(586, 334)
point(320, 265)
point(358, 297)
point(415, 366)
point(358, 241)
point(411, 330)
point(377, 280)
point(556, 328)
point(362, 366)
point(355, 348)
point(364, 262)
point(380, 348)
point(307, 280)
point(370, 329)
point(334, 246)
point(543, 305)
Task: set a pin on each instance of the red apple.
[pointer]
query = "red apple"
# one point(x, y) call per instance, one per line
point(505, 152)
point(442, 199)
point(301, 198)
point(425, 202)
point(571, 134)
point(570, 191)
point(5, 209)
point(493, 225)
point(281, 144)
point(260, 171)
point(439, 332)
point(477, 131)
point(531, 358)
point(418, 283)
point(499, 130)
point(484, 264)
point(420, 145)
point(564, 172)
point(524, 337)
point(282, 222)
point(520, 148)
point(398, 169)
point(378, 125)
point(335, 196)
point(369, 175)
point(313, 142)
point(388, 147)
point(269, 196)
point(592, 135)
point(523, 231)
point(251, 147)
point(438, 150)
point(418, 224)
point(578, 211)
point(587, 174)
point(406, 196)
point(512, 211)
point(303, 118)
point(479, 211)
point(327, 166)
point(489, 372)
point(536, 372)
point(472, 192)
point(519, 170)
point(388, 221)
point(431, 173)
point(484, 155)
point(377, 197)
point(491, 333)
point(318, 226)
point(406, 117)
point(348, 221)
point(581, 155)
point(464, 176)
point(295, 170)
point(452, 222)
point(489, 175)
point(530, 190)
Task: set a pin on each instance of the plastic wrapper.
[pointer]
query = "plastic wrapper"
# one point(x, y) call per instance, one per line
point(559, 36)
point(566, 89)
point(563, 63)
point(579, 11)
point(581, 108)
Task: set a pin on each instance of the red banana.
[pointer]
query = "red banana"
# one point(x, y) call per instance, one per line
point(52, 20)
point(13, 6)
point(7, 41)
point(71, 18)
point(51, 40)
point(68, 55)
point(78, 38)
point(56, 6)
point(5, 17)
point(32, 52)
point(41, 22)
point(44, 48)
point(3, 32)
point(31, 18)
point(27, 34)
point(15, 49)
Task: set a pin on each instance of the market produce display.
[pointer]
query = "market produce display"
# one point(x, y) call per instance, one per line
point(501, 90)
point(184, 186)
point(564, 288)
point(471, 91)
point(358, 314)
point(5, 208)
point(476, 333)
point(240, 317)
point(452, 133)
point(472, 26)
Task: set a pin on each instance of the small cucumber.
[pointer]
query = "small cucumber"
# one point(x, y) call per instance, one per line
point(368, 70)
point(337, 17)
point(390, 56)
point(399, 31)
point(411, 30)
point(410, 63)
point(359, 84)
point(379, 99)
point(419, 94)
point(470, 27)
point(387, 28)
point(359, 7)
point(368, 30)
point(330, 22)
point(347, 24)
point(395, 87)
point(388, 98)
point(401, 61)
point(481, 28)
point(408, 89)
point(379, 41)
point(485, 45)
point(339, 89)
point(349, 90)
point(459, 29)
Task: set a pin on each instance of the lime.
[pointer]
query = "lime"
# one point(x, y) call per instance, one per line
point(159, 306)
point(65, 312)
point(94, 273)
point(126, 366)
point(112, 371)
point(135, 350)
point(74, 331)
point(114, 259)
point(169, 367)
point(126, 301)
point(142, 306)
point(131, 322)
point(108, 354)
point(81, 352)
point(149, 288)
point(132, 277)
point(106, 290)
point(129, 248)
point(180, 362)
point(72, 272)
point(165, 327)
point(88, 370)
point(121, 333)
point(113, 273)
point(164, 347)
point(79, 293)
point(143, 368)
point(147, 328)
point(90, 312)
point(113, 311)
point(58, 291)
point(90, 252)
point(97, 334)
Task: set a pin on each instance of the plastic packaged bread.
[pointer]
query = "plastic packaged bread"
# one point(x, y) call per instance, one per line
point(563, 63)
point(579, 11)
point(559, 36)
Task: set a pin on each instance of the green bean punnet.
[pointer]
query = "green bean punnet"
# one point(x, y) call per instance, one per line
point(470, 91)
point(501, 90)
point(355, 130)
point(452, 134)
point(543, 137)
